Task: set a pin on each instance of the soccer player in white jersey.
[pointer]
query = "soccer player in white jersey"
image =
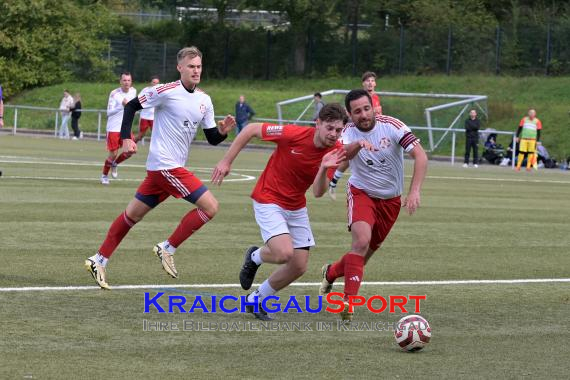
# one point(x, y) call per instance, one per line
point(118, 98)
point(147, 114)
point(374, 188)
point(181, 107)
point(368, 84)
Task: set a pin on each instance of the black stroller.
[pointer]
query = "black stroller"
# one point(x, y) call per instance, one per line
point(494, 153)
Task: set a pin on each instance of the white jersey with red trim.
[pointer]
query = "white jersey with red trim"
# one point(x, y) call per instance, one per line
point(115, 107)
point(380, 174)
point(178, 113)
point(147, 113)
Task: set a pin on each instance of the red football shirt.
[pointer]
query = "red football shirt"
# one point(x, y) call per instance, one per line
point(292, 167)
point(376, 103)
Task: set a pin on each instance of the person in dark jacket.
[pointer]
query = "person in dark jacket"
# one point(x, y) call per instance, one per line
point(472, 125)
point(75, 115)
point(243, 114)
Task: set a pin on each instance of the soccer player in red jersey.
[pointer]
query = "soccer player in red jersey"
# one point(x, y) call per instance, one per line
point(181, 107)
point(118, 98)
point(368, 84)
point(302, 157)
point(374, 188)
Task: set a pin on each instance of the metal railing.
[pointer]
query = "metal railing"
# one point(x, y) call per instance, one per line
point(57, 111)
point(448, 130)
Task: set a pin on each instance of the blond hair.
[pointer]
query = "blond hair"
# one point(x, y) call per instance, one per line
point(191, 52)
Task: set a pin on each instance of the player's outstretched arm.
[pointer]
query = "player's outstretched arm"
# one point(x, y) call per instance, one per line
point(412, 201)
point(223, 167)
point(330, 160)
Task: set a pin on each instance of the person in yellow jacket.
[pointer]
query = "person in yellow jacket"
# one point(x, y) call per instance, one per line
point(528, 135)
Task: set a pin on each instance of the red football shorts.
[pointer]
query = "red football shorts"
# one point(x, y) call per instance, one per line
point(114, 141)
point(380, 214)
point(145, 124)
point(160, 184)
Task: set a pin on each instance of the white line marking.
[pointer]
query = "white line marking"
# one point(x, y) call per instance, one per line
point(16, 160)
point(245, 178)
point(496, 179)
point(315, 284)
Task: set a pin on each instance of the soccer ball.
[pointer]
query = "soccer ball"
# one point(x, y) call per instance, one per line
point(412, 333)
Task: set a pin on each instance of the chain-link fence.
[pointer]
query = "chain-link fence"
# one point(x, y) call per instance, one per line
point(239, 52)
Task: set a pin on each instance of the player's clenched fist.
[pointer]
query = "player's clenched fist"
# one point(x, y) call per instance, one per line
point(129, 146)
point(226, 125)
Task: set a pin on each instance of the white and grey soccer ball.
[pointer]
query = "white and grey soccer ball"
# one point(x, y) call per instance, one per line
point(412, 333)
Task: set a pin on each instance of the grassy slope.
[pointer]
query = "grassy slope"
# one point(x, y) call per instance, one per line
point(509, 98)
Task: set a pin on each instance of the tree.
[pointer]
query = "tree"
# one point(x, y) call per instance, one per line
point(302, 15)
point(47, 41)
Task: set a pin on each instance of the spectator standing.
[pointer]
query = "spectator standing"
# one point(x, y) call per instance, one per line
point(472, 125)
point(1, 108)
point(75, 115)
point(243, 114)
point(319, 104)
point(64, 107)
point(1, 114)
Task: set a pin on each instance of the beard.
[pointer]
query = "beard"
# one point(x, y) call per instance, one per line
point(365, 124)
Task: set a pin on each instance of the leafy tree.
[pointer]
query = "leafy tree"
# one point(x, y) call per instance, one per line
point(302, 16)
point(48, 41)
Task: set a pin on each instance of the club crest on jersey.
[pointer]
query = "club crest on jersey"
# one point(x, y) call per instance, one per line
point(274, 130)
point(202, 108)
point(190, 125)
point(385, 143)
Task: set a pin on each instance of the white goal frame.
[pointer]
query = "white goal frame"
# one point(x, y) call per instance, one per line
point(480, 101)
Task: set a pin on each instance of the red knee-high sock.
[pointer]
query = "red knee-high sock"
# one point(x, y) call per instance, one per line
point(117, 232)
point(107, 166)
point(336, 269)
point(122, 157)
point(188, 225)
point(353, 271)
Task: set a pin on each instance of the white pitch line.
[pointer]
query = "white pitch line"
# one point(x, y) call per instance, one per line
point(14, 160)
point(245, 178)
point(315, 284)
point(497, 179)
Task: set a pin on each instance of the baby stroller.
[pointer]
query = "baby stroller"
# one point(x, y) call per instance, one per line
point(494, 153)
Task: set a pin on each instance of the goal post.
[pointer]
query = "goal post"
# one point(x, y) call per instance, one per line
point(433, 115)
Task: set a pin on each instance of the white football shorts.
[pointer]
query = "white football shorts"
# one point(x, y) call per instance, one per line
point(274, 220)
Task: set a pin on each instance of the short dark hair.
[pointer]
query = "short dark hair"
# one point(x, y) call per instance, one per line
point(154, 77)
point(355, 94)
point(318, 94)
point(332, 112)
point(368, 74)
point(126, 73)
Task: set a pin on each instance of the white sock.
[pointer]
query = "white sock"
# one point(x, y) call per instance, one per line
point(338, 174)
point(265, 290)
point(168, 248)
point(256, 256)
point(100, 259)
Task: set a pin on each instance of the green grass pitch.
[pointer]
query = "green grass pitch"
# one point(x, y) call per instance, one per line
point(474, 224)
